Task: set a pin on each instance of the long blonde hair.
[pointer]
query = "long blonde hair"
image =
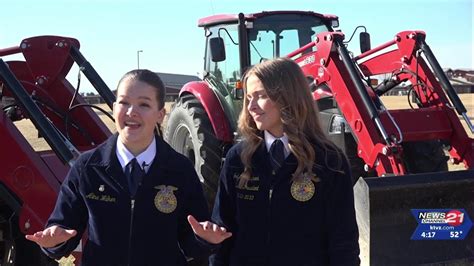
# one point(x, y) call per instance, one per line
point(286, 85)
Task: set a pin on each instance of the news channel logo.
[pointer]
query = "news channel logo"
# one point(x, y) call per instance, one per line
point(441, 224)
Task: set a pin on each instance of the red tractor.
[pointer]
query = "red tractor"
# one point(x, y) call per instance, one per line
point(401, 155)
point(36, 89)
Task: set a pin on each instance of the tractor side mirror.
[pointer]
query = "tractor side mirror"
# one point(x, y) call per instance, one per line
point(364, 38)
point(216, 45)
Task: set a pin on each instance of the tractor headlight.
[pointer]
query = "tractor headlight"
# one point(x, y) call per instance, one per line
point(338, 125)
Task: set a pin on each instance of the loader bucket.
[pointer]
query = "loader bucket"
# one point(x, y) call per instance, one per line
point(386, 223)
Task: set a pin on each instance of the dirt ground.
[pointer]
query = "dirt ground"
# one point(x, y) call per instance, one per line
point(391, 102)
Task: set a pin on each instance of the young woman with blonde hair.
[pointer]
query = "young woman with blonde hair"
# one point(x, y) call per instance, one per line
point(285, 190)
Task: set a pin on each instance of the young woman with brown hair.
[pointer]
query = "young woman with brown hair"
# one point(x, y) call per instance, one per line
point(285, 190)
point(134, 194)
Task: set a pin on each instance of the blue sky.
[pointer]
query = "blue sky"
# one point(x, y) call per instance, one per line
point(111, 31)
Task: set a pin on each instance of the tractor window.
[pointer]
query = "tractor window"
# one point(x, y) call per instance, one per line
point(278, 35)
point(287, 43)
point(226, 72)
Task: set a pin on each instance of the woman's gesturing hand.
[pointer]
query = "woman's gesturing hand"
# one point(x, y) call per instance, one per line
point(208, 231)
point(51, 236)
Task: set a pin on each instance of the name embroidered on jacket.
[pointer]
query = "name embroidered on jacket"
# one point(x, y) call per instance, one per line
point(245, 196)
point(251, 185)
point(106, 198)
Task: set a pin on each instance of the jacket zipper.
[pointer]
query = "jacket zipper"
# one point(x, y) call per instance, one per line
point(132, 209)
point(269, 213)
point(269, 219)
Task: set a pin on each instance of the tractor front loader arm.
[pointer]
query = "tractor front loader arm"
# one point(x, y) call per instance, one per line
point(65, 150)
point(332, 66)
point(411, 61)
point(48, 59)
point(36, 88)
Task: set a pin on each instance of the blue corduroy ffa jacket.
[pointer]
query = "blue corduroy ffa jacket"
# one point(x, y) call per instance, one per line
point(130, 231)
point(270, 227)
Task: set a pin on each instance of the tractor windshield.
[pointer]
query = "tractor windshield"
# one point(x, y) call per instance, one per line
point(278, 35)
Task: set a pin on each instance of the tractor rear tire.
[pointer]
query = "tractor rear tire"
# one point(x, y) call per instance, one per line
point(189, 132)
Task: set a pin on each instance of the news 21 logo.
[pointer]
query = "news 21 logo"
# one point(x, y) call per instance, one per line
point(441, 224)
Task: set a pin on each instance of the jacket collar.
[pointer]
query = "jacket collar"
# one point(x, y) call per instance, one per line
point(262, 154)
point(144, 159)
point(269, 139)
point(261, 158)
point(105, 155)
point(104, 158)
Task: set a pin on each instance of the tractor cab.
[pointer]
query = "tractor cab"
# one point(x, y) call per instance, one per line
point(235, 42)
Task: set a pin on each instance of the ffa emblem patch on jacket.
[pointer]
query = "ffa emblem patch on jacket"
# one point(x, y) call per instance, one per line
point(165, 200)
point(302, 190)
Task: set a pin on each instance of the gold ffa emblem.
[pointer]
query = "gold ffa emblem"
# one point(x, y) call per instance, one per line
point(303, 189)
point(165, 200)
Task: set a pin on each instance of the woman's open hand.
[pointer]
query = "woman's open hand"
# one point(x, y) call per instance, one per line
point(51, 236)
point(208, 231)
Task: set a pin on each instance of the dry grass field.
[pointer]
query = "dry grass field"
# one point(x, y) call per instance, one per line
point(401, 102)
point(391, 102)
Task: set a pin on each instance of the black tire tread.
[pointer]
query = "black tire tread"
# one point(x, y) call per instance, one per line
point(208, 158)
